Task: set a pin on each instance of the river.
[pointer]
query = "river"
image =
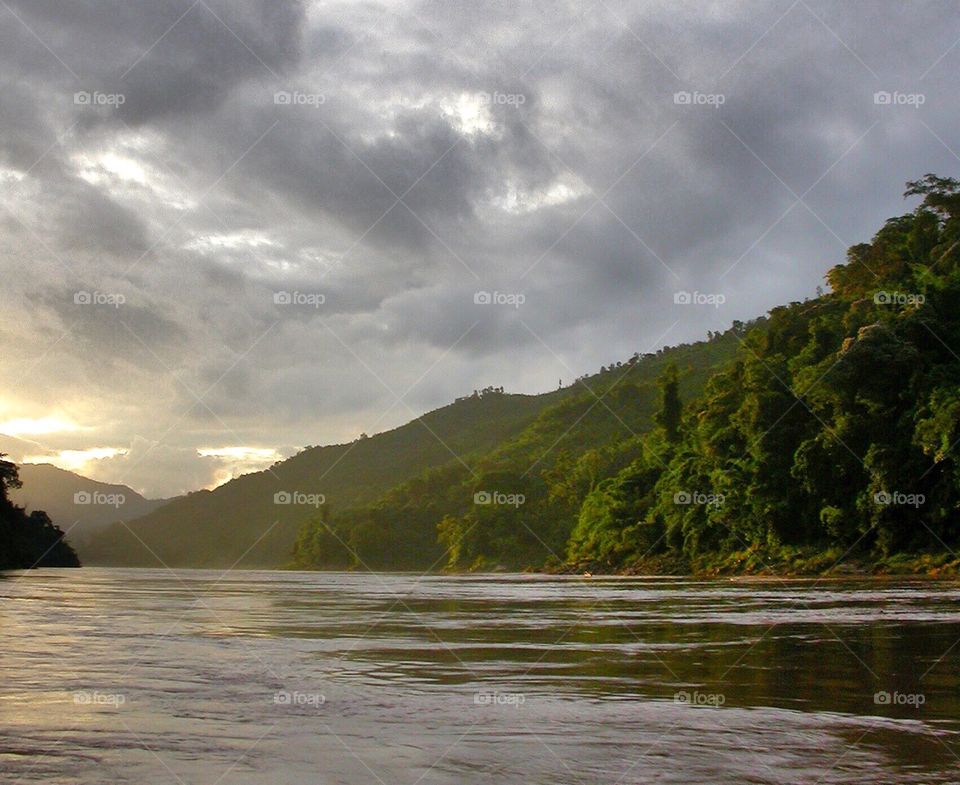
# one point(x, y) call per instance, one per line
point(195, 676)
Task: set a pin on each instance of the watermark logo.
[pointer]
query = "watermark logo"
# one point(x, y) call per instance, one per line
point(896, 98)
point(898, 298)
point(914, 699)
point(494, 698)
point(699, 298)
point(84, 297)
point(298, 498)
point(514, 299)
point(284, 698)
point(696, 497)
point(696, 98)
point(296, 98)
point(98, 498)
point(96, 98)
point(503, 99)
point(898, 499)
point(312, 299)
point(95, 698)
point(695, 698)
point(497, 498)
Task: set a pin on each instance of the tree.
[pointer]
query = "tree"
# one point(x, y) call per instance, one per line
point(671, 408)
point(32, 540)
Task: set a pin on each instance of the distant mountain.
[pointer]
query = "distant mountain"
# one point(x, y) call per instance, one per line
point(78, 505)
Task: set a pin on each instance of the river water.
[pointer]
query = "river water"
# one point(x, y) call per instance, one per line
point(151, 676)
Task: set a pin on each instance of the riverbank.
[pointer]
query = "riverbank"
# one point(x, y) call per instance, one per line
point(786, 563)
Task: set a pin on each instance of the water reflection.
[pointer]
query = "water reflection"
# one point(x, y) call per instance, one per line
point(342, 677)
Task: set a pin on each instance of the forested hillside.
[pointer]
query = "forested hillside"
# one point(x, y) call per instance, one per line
point(552, 463)
point(385, 489)
point(832, 434)
point(822, 430)
point(241, 523)
point(829, 432)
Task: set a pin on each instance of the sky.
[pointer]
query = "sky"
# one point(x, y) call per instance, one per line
point(233, 228)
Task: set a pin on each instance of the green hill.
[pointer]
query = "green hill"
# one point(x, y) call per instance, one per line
point(240, 521)
point(552, 462)
point(831, 436)
point(822, 433)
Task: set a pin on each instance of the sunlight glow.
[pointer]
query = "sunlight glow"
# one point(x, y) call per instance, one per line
point(76, 460)
point(240, 453)
point(21, 426)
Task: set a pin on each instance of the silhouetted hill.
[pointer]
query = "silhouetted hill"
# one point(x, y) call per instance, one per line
point(78, 504)
point(28, 540)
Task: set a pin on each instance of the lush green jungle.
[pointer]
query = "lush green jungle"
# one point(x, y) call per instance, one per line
point(823, 431)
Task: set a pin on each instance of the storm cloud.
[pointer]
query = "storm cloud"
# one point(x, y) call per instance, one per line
point(264, 224)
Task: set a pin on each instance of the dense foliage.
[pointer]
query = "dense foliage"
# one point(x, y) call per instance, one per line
point(830, 429)
point(28, 540)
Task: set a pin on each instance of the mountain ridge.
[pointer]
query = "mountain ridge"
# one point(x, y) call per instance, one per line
point(78, 504)
point(190, 529)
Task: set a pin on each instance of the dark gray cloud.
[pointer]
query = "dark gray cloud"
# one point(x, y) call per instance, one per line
point(538, 149)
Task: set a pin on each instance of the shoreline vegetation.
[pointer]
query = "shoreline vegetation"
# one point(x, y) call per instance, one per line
point(756, 563)
point(800, 563)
